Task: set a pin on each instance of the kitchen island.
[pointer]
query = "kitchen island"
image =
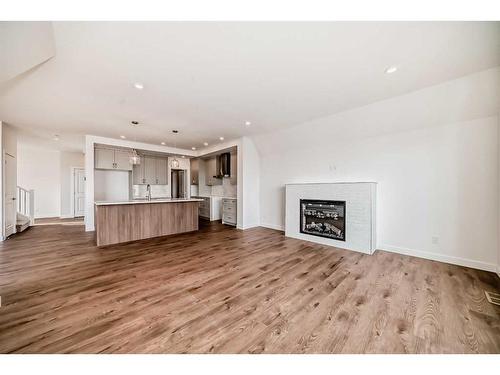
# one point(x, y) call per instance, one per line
point(124, 221)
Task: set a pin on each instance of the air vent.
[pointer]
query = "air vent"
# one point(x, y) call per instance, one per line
point(493, 298)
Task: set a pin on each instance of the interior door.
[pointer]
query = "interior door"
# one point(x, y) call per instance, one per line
point(10, 186)
point(79, 192)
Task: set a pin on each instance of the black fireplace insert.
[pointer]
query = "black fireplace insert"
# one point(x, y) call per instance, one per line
point(323, 218)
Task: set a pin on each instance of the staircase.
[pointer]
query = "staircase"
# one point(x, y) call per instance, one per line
point(25, 209)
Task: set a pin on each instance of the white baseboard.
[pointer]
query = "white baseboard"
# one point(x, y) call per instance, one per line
point(66, 216)
point(46, 216)
point(440, 258)
point(273, 226)
point(249, 226)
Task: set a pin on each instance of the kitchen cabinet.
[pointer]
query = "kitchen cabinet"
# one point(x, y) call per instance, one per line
point(151, 171)
point(195, 167)
point(229, 211)
point(234, 169)
point(138, 174)
point(104, 158)
point(210, 208)
point(211, 172)
point(107, 158)
point(161, 171)
point(122, 160)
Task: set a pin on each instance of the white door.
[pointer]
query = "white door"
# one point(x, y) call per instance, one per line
point(10, 194)
point(79, 192)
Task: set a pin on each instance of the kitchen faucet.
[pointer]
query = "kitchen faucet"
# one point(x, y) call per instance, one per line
point(148, 192)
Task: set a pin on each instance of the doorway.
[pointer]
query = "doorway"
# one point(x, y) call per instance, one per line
point(78, 192)
point(10, 186)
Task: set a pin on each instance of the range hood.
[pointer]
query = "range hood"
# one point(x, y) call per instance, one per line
point(224, 165)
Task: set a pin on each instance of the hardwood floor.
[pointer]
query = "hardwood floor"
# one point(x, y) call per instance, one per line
point(222, 290)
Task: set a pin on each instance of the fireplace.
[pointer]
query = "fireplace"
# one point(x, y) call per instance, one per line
point(323, 218)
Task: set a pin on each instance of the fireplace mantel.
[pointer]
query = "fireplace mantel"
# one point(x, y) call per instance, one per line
point(360, 212)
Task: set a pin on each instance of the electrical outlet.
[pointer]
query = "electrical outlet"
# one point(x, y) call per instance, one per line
point(435, 240)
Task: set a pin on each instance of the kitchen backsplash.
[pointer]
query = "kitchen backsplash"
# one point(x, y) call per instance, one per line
point(224, 190)
point(157, 191)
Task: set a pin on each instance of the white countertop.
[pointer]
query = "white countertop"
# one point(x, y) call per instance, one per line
point(142, 201)
point(214, 196)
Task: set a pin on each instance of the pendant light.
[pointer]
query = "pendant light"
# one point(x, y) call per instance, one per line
point(175, 163)
point(135, 159)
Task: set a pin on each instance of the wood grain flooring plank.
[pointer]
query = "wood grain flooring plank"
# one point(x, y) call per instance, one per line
point(222, 290)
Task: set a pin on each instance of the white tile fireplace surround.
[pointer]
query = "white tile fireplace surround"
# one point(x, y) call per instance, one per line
point(360, 205)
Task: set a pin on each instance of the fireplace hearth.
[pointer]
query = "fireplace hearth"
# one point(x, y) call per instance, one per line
point(323, 218)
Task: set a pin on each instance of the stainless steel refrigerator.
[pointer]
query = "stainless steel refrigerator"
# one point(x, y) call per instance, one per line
point(178, 183)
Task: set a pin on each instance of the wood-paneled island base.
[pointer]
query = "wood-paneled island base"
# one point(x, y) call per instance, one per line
point(118, 222)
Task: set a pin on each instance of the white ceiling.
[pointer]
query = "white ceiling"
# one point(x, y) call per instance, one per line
point(207, 78)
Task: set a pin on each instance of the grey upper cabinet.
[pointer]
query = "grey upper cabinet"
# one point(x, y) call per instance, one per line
point(138, 174)
point(122, 160)
point(211, 172)
point(149, 170)
point(161, 171)
point(104, 158)
point(234, 169)
point(107, 158)
point(195, 167)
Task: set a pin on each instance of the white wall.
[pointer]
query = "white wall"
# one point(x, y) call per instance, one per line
point(434, 154)
point(40, 169)
point(498, 255)
point(68, 160)
point(249, 176)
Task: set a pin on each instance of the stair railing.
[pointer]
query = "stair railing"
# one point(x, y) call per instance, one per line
point(26, 203)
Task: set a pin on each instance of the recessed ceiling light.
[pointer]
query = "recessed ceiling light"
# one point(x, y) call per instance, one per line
point(122, 137)
point(248, 123)
point(221, 138)
point(163, 143)
point(183, 156)
point(205, 143)
point(391, 69)
point(138, 86)
point(56, 137)
point(193, 148)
